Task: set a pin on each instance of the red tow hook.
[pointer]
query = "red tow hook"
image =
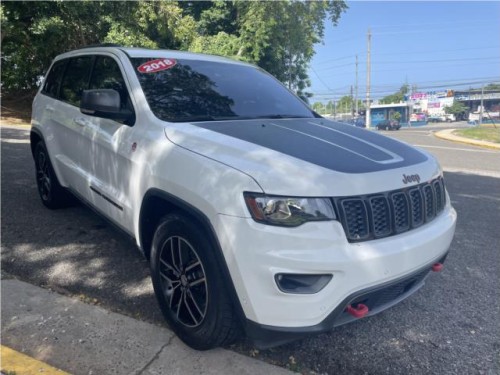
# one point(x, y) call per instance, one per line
point(437, 267)
point(359, 311)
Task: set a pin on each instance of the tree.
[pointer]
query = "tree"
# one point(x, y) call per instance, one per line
point(330, 107)
point(396, 115)
point(396, 97)
point(33, 33)
point(347, 104)
point(278, 36)
point(492, 86)
point(457, 108)
point(318, 107)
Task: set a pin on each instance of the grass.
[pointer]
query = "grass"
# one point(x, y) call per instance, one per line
point(482, 134)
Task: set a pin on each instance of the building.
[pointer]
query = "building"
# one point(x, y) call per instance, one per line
point(380, 112)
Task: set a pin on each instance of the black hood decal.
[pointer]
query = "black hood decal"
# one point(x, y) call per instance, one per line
point(336, 146)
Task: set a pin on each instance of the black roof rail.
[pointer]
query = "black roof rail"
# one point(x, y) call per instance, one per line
point(102, 45)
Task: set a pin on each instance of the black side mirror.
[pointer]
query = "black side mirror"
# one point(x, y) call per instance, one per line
point(104, 103)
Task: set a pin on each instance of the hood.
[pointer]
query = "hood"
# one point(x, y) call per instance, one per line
point(313, 157)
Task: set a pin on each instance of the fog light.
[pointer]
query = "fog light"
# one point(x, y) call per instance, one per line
point(300, 283)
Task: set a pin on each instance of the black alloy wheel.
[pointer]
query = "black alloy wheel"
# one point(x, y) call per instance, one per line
point(43, 176)
point(183, 280)
point(189, 286)
point(52, 194)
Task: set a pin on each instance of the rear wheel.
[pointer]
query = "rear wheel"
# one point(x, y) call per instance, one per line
point(52, 194)
point(187, 283)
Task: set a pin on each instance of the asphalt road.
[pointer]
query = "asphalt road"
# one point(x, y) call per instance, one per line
point(449, 327)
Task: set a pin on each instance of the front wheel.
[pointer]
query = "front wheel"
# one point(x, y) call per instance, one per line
point(52, 194)
point(188, 285)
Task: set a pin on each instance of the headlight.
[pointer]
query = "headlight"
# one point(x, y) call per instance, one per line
point(288, 211)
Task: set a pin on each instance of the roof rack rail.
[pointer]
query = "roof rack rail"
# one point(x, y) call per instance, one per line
point(102, 45)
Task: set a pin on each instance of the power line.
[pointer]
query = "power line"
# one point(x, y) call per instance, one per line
point(438, 61)
point(443, 82)
point(468, 22)
point(421, 87)
point(436, 51)
point(496, 47)
point(420, 31)
point(496, 58)
point(320, 79)
point(405, 69)
point(335, 59)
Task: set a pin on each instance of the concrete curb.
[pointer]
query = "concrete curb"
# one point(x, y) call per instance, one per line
point(84, 339)
point(447, 135)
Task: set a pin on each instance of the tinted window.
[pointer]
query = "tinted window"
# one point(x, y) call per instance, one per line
point(54, 78)
point(76, 79)
point(107, 75)
point(203, 90)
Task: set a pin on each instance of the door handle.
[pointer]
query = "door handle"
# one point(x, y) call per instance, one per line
point(80, 121)
point(49, 108)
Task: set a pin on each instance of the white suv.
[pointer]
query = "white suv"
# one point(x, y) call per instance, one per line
point(257, 214)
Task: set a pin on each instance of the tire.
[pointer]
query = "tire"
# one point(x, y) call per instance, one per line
point(188, 285)
point(52, 194)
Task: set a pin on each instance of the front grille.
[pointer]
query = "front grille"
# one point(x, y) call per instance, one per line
point(386, 214)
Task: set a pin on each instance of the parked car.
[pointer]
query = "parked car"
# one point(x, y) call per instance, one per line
point(256, 214)
point(442, 118)
point(388, 125)
point(435, 119)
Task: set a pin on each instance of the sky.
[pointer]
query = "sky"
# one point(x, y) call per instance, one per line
point(433, 45)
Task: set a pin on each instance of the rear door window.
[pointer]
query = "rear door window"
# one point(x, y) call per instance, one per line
point(54, 78)
point(76, 79)
point(107, 75)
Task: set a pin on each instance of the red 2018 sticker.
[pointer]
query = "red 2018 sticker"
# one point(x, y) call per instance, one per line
point(157, 65)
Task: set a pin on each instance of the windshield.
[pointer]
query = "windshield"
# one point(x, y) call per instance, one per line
point(191, 90)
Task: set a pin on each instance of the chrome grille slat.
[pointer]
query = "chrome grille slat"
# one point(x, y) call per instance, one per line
point(390, 213)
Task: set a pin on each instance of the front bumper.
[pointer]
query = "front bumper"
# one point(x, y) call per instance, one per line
point(377, 299)
point(255, 253)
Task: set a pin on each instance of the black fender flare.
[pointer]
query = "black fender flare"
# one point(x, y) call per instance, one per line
point(180, 205)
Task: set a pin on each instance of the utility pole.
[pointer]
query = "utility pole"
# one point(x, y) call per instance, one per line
point(352, 107)
point(368, 79)
point(482, 103)
point(356, 91)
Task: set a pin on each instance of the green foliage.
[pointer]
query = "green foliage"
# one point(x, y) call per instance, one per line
point(319, 107)
point(279, 36)
point(457, 108)
point(345, 104)
point(396, 97)
point(222, 44)
point(492, 86)
point(396, 115)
